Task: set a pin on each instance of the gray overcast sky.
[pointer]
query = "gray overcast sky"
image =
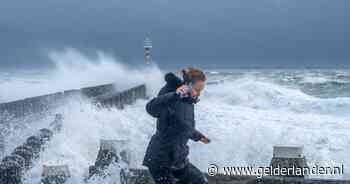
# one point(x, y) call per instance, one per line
point(224, 33)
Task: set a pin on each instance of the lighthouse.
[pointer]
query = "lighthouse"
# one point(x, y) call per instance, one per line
point(148, 46)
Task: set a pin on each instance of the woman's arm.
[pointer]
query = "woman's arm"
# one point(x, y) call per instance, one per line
point(184, 114)
point(155, 106)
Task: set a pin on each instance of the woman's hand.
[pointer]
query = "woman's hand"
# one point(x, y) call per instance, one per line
point(183, 91)
point(205, 140)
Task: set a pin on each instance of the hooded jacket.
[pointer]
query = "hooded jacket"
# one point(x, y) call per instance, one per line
point(175, 126)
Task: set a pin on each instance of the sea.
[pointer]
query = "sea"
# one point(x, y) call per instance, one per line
point(245, 112)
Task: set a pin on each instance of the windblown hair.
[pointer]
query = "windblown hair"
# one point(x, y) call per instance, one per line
point(193, 75)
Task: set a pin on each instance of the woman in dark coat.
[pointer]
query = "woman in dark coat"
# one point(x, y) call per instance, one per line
point(167, 152)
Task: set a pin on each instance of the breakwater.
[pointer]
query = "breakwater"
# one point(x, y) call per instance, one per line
point(105, 95)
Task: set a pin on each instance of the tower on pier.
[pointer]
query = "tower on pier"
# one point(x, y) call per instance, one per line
point(148, 47)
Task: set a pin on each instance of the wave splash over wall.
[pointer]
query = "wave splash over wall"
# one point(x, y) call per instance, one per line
point(74, 70)
point(244, 117)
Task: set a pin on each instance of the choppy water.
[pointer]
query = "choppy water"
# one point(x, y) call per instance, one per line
point(245, 113)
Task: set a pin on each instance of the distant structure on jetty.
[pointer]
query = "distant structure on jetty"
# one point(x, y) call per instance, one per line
point(148, 46)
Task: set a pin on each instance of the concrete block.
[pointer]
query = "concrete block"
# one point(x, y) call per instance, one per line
point(111, 151)
point(45, 134)
point(35, 142)
point(16, 159)
point(56, 174)
point(57, 124)
point(288, 151)
point(290, 158)
point(135, 176)
point(27, 153)
point(10, 173)
point(119, 147)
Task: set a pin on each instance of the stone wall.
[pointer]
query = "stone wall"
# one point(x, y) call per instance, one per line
point(122, 98)
point(103, 94)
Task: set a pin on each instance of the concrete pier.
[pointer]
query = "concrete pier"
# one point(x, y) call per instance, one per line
point(105, 95)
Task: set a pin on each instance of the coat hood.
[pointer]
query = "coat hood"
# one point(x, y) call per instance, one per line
point(172, 83)
point(172, 80)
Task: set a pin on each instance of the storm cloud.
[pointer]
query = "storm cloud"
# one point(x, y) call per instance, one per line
point(225, 33)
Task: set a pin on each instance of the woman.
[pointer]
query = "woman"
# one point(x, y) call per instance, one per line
point(167, 152)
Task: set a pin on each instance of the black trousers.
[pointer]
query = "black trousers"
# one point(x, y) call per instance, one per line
point(188, 175)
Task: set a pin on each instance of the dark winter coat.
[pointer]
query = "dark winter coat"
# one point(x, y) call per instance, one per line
point(175, 126)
